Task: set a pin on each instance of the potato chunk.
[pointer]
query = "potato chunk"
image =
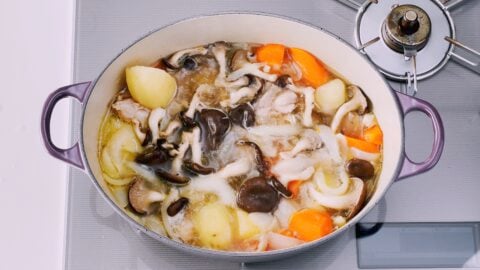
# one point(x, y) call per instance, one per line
point(213, 223)
point(151, 87)
point(330, 96)
point(246, 227)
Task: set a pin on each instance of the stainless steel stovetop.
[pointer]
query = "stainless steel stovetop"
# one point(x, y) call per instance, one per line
point(441, 204)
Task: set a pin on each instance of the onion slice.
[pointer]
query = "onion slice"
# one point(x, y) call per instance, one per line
point(347, 201)
point(279, 241)
point(321, 183)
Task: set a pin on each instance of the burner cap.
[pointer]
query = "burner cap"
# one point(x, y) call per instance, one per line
point(407, 27)
point(414, 25)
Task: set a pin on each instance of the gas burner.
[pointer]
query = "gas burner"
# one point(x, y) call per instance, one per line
point(412, 45)
point(408, 40)
point(406, 28)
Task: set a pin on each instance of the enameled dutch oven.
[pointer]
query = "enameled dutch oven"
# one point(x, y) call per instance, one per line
point(389, 107)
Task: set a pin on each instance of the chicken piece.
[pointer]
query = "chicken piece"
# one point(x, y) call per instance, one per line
point(285, 102)
point(128, 110)
point(310, 141)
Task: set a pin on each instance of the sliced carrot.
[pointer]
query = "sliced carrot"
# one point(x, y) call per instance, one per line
point(313, 71)
point(373, 135)
point(294, 187)
point(310, 224)
point(272, 54)
point(363, 145)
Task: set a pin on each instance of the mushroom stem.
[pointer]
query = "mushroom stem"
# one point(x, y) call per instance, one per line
point(197, 168)
point(308, 94)
point(154, 119)
point(219, 50)
point(242, 81)
point(236, 168)
point(138, 131)
point(252, 69)
point(246, 93)
point(194, 105)
point(357, 102)
point(172, 126)
point(309, 99)
point(195, 145)
point(182, 149)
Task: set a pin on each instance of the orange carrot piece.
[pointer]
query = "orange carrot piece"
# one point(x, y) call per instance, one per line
point(313, 71)
point(310, 224)
point(294, 187)
point(373, 135)
point(363, 145)
point(272, 54)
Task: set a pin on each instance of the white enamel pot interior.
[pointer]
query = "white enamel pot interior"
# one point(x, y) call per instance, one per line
point(257, 28)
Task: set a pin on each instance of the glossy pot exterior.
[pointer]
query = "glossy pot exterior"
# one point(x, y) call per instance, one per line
point(389, 107)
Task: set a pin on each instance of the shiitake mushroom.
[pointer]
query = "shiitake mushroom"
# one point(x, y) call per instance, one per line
point(360, 168)
point(190, 63)
point(257, 195)
point(173, 179)
point(262, 166)
point(243, 115)
point(196, 168)
point(184, 58)
point(153, 155)
point(214, 125)
point(142, 198)
point(177, 206)
point(278, 186)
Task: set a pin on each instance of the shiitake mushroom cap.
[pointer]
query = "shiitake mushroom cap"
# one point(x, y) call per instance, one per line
point(257, 195)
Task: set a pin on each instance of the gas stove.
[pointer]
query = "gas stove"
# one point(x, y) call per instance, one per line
point(409, 41)
point(423, 47)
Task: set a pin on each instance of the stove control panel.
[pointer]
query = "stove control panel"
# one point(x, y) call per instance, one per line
point(418, 245)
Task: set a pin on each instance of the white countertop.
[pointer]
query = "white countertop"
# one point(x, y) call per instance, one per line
point(36, 58)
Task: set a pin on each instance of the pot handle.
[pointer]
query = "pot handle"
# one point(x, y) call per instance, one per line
point(70, 155)
point(410, 167)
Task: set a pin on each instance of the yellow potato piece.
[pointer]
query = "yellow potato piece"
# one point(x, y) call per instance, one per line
point(246, 227)
point(151, 87)
point(213, 223)
point(330, 96)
